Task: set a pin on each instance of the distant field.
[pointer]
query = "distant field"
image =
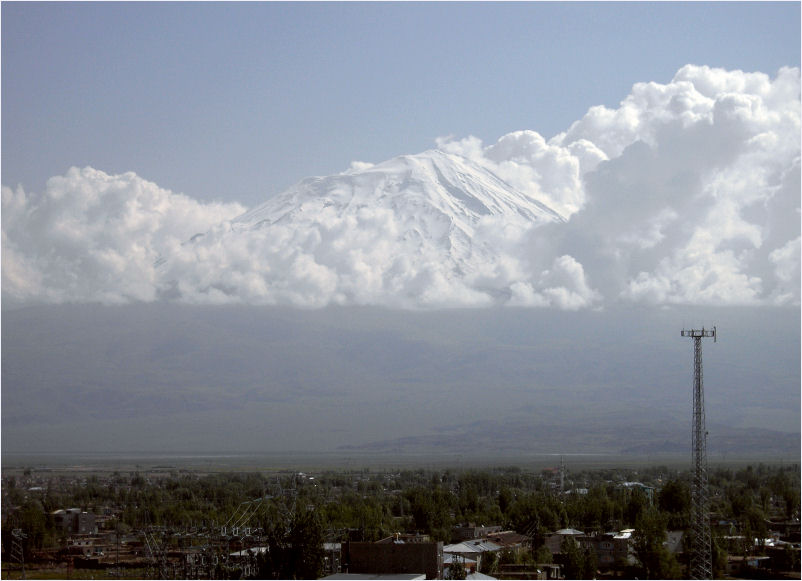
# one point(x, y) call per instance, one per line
point(100, 463)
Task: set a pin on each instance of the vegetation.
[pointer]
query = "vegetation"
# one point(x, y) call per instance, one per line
point(295, 513)
point(655, 559)
point(296, 549)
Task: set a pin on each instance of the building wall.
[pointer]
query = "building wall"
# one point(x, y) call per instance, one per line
point(610, 549)
point(74, 521)
point(554, 542)
point(390, 558)
point(85, 524)
point(459, 534)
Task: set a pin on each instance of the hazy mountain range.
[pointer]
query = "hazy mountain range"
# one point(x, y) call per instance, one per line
point(474, 382)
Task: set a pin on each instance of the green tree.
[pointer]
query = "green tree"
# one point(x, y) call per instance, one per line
point(636, 505)
point(506, 557)
point(655, 559)
point(589, 564)
point(755, 521)
point(295, 551)
point(791, 498)
point(572, 559)
point(719, 560)
point(488, 563)
point(542, 555)
point(675, 500)
point(430, 511)
point(33, 523)
point(505, 500)
point(457, 569)
point(306, 546)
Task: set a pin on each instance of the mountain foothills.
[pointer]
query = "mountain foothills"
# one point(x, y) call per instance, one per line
point(352, 381)
point(686, 193)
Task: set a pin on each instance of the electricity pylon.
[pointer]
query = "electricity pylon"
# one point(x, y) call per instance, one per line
point(701, 550)
point(17, 552)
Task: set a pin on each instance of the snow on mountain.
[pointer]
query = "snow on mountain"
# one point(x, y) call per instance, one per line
point(435, 202)
point(432, 183)
point(431, 229)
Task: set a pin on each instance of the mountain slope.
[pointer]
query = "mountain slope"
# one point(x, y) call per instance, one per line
point(414, 186)
point(432, 229)
point(437, 203)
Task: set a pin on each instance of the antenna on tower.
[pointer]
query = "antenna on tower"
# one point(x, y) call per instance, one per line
point(701, 550)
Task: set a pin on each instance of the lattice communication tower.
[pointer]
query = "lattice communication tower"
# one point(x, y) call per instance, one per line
point(701, 551)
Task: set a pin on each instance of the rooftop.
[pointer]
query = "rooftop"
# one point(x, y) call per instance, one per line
point(378, 577)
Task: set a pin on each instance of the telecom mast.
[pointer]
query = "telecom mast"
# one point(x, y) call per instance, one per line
point(701, 551)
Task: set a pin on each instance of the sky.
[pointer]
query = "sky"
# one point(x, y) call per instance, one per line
point(237, 103)
point(135, 293)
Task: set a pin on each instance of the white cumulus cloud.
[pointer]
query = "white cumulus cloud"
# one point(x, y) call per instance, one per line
point(687, 192)
point(95, 237)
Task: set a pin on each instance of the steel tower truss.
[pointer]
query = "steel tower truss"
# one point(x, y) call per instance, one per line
point(701, 551)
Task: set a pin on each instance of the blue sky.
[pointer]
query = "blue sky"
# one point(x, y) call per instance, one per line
point(237, 102)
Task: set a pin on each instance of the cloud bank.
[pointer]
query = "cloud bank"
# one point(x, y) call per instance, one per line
point(687, 193)
point(96, 237)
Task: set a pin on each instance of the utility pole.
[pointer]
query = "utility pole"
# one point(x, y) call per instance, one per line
point(701, 550)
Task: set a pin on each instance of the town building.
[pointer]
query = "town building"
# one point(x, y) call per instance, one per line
point(74, 521)
point(554, 541)
point(472, 551)
point(393, 558)
point(613, 550)
point(471, 531)
point(630, 487)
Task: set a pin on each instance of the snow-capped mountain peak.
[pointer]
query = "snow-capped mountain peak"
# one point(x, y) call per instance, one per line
point(432, 183)
point(426, 230)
